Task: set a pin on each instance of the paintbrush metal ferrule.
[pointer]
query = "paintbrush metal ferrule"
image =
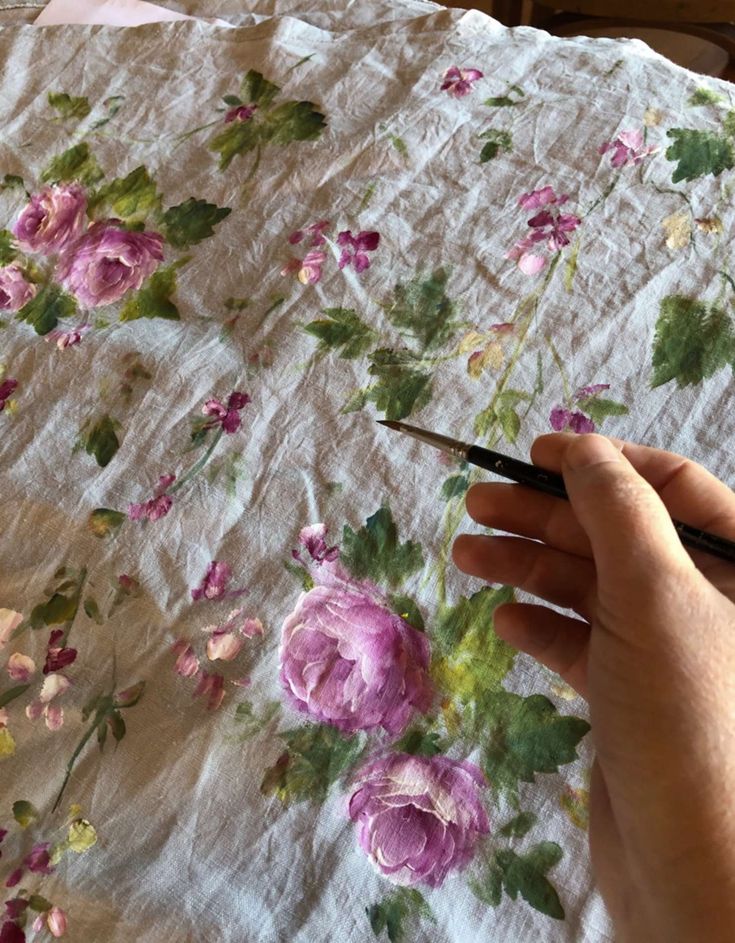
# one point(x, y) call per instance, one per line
point(444, 443)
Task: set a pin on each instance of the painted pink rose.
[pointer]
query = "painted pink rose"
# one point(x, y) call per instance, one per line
point(419, 817)
point(347, 660)
point(627, 148)
point(109, 261)
point(53, 219)
point(15, 289)
point(458, 82)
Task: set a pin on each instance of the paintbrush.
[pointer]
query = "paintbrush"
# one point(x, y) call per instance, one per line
point(549, 482)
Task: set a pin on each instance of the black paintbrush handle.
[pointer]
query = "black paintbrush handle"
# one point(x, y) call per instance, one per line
point(551, 483)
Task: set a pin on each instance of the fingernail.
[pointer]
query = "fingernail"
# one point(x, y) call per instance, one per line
point(590, 450)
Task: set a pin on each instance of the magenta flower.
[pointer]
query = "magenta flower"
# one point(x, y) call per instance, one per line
point(549, 226)
point(458, 82)
point(562, 419)
point(226, 416)
point(211, 686)
point(309, 269)
point(15, 289)
point(11, 933)
point(347, 660)
point(15, 907)
point(7, 388)
point(187, 663)
point(108, 261)
point(37, 861)
point(53, 219)
point(128, 585)
point(57, 657)
point(158, 506)
point(64, 339)
point(355, 249)
point(214, 583)
point(313, 539)
point(240, 113)
point(627, 148)
point(419, 817)
point(314, 233)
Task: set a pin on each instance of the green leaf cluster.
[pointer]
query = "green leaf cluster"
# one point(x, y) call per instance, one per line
point(101, 441)
point(191, 222)
point(698, 153)
point(422, 308)
point(693, 341)
point(104, 522)
point(374, 551)
point(525, 875)
point(341, 331)
point(154, 298)
point(315, 757)
point(44, 311)
point(401, 385)
point(76, 163)
point(397, 912)
point(131, 198)
point(497, 141)
point(69, 106)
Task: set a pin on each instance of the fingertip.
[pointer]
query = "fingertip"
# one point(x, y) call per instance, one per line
point(461, 549)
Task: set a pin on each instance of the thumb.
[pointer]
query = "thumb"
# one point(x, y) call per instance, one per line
point(631, 533)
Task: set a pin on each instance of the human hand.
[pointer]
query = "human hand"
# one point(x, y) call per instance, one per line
point(654, 654)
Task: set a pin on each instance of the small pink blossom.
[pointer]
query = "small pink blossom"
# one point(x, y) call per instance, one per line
point(53, 686)
point(158, 506)
point(548, 226)
point(7, 388)
point(224, 646)
point(38, 861)
point(627, 148)
point(56, 922)
point(314, 233)
point(458, 82)
point(9, 621)
point(20, 667)
point(14, 878)
point(187, 663)
point(252, 627)
point(584, 391)
point(58, 657)
point(226, 416)
point(355, 249)
point(240, 113)
point(540, 198)
point(128, 584)
point(561, 419)
point(15, 289)
point(211, 686)
point(214, 583)
point(313, 539)
point(309, 269)
point(72, 338)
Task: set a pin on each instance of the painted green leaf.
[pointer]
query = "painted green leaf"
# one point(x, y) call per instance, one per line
point(154, 298)
point(129, 697)
point(698, 153)
point(131, 198)
point(398, 913)
point(7, 247)
point(408, 610)
point(113, 104)
point(500, 101)
point(46, 309)
point(316, 756)
point(292, 121)
point(24, 813)
point(257, 90)
point(705, 96)
point(341, 331)
point(103, 522)
point(454, 487)
point(82, 836)
point(117, 725)
point(693, 341)
point(101, 440)
point(524, 736)
point(304, 577)
point(69, 106)
point(422, 307)
point(419, 742)
point(497, 141)
point(10, 695)
point(355, 401)
point(400, 387)
point(520, 825)
point(39, 904)
point(192, 221)
point(234, 101)
point(374, 551)
point(598, 409)
point(489, 889)
point(526, 875)
point(93, 610)
point(728, 123)
point(55, 611)
point(238, 137)
point(12, 182)
point(76, 163)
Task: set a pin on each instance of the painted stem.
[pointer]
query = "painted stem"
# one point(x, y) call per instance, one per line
point(198, 466)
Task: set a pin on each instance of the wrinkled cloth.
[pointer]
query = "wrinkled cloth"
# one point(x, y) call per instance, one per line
point(244, 693)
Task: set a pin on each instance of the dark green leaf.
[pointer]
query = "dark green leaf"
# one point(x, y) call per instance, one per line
point(257, 90)
point(455, 487)
point(728, 124)
point(12, 182)
point(497, 141)
point(117, 725)
point(500, 101)
point(69, 106)
point(419, 743)
point(39, 904)
point(238, 137)
point(698, 153)
point(422, 307)
point(76, 163)
point(10, 695)
point(524, 736)
point(705, 96)
point(301, 574)
point(132, 198)
point(598, 409)
point(154, 298)
point(520, 825)
point(7, 247)
point(693, 341)
point(355, 401)
point(404, 906)
point(56, 611)
point(102, 732)
point(374, 552)
point(101, 441)
point(342, 331)
point(490, 889)
point(24, 812)
point(93, 610)
point(292, 121)
point(316, 756)
point(45, 310)
point(232, 100)
point(192, 221)
point(400, 387)
point(525, 875)
point(103, 521)
point(407, 609)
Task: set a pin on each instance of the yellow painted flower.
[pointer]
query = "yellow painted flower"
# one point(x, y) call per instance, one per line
point(678, 230)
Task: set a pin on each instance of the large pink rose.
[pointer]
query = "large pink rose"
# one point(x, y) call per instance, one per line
point(419, 817)
point(347, 660)
point(107, 262)
point(15, 290)
point(53, 219)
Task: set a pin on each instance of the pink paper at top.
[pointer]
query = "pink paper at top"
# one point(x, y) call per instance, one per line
point(111, 13)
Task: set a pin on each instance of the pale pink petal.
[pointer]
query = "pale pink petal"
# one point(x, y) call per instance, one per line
point(56, 921)
point(252, 627)
point(531, 264)
point(224, 646)
point(9, 622)
point(20, 667)
point(632, 139)
point(38, 923)
point(54, 716)
point(187, 663)
point(53, 685)
point(34, 710)
point(241, 682)
point(3, 723)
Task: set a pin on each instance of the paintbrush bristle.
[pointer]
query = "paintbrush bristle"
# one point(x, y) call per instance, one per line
point(391, 424)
